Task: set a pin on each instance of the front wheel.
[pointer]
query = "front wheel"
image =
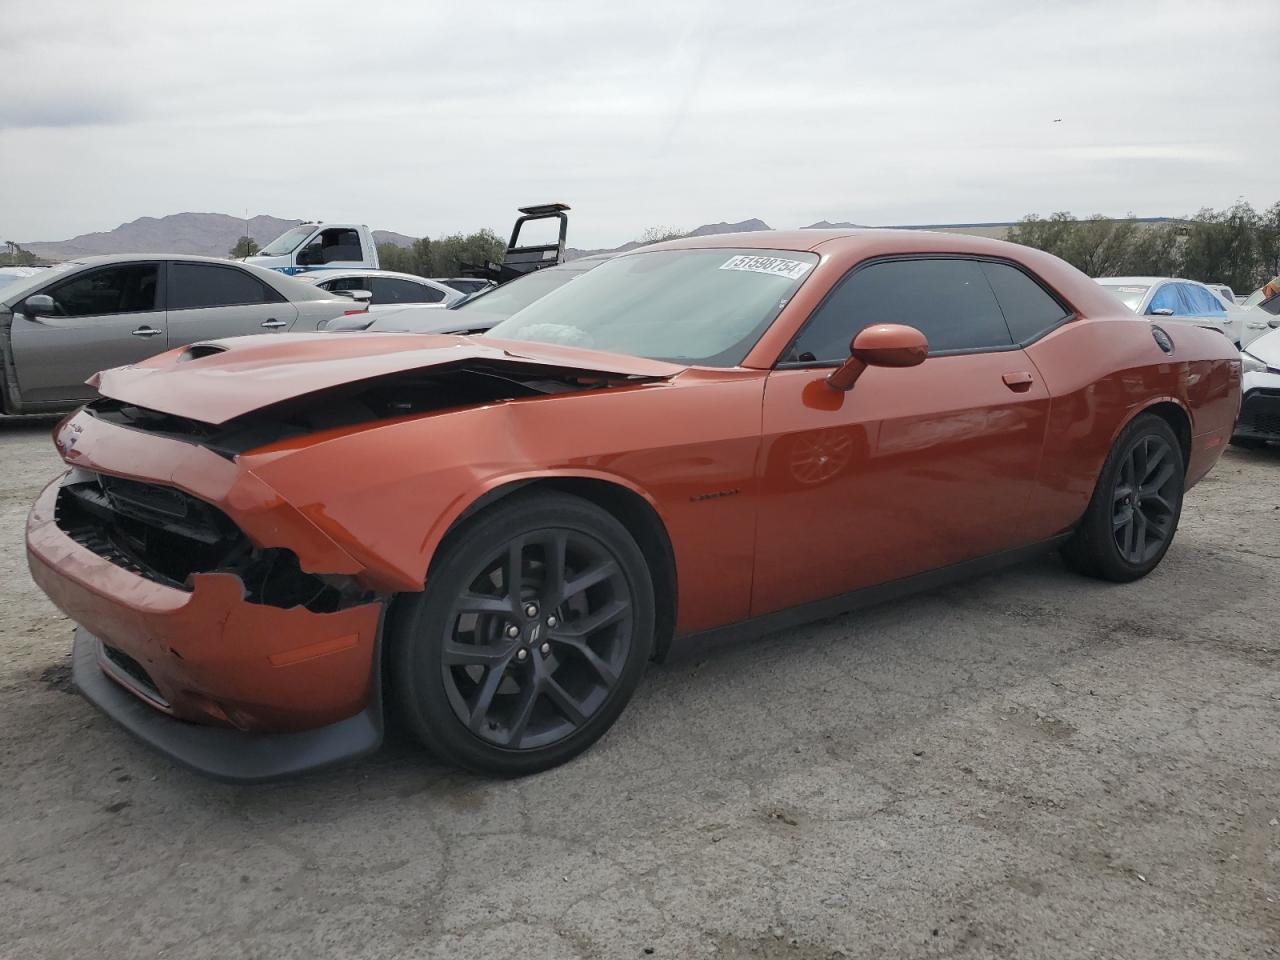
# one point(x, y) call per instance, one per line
point(530, 637)
point(1134, 512)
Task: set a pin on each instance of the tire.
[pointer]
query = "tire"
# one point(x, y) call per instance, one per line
point(1123, 538)
point(509, 706)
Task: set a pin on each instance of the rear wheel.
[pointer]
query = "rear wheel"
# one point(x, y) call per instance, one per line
point(1134, 511)
point(529, 639)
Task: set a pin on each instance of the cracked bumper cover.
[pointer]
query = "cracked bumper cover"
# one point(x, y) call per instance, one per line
point(237, 690)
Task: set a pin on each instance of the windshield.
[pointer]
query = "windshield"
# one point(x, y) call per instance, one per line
point(287, 242)
point(1130, 293)
point(1254, 298)
point(691, 306)
point(519, 293)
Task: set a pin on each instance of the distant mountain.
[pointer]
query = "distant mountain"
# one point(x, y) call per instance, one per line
point(204, 234)
point(828, 225)
point(706, 230)
point(207, 234)
point(388, 236)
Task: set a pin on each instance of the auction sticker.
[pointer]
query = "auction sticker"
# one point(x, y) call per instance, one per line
point(775, 266)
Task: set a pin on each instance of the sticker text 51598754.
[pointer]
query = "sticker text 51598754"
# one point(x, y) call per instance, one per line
point(775, 266)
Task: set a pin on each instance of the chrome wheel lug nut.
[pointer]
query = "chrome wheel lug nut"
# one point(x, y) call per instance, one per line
point(531, 610)
point(522, 654)
point(552, 622)
point(545, 648)
point(513, 631)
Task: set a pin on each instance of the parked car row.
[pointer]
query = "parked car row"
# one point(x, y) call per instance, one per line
point(1186, 301)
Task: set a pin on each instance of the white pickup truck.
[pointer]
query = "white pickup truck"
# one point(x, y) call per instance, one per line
point(319, 246)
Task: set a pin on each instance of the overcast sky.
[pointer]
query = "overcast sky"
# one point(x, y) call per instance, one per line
point(434, 117)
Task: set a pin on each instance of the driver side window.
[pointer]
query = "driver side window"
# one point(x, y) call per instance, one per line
point(128, 288)
point(948, 300)
point(335, 245)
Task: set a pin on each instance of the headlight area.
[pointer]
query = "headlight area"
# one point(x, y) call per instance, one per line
point(167, 536)
point(1251, 364)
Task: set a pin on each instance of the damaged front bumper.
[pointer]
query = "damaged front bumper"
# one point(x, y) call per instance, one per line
point(211, 672)
point(221, 753)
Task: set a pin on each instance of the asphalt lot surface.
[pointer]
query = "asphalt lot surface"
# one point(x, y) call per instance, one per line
point(1028, 765)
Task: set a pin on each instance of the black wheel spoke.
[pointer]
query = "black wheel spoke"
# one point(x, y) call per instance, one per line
point(588, 579)
point(513, 572)
point(553, 558)
point(471, 654)
point(1123, 517)
point(570, 708)
point(523, 711)
point(583, 649)
point(1152, 460)
point(1154, 485)
point(589, 624)
point(479, 603)
point(484, 698)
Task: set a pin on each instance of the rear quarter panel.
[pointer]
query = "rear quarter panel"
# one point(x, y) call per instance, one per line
point(1101, 373)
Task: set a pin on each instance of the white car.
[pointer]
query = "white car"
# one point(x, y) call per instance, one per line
point(1222, 290)
point(1259, 420)
point(388, 290)
point(1180, 301)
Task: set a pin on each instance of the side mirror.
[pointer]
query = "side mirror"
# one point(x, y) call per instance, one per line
point(880, 345)
point(1274, 323)
point(310, 256)
point(1161, 312)
point(39, 305)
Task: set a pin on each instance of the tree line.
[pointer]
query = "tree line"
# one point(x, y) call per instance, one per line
point(1238, 246)
point(444, 257)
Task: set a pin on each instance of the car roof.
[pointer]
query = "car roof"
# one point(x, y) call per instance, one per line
point(137, 257)
point(316, 276)
point(1149, 281)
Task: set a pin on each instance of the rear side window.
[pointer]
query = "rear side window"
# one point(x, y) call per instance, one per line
point(128, 288)
point(195, 285)
point(395, 290)
point(948, 300)
point(1029, 309)
point(1204, 301)
point(346, 283)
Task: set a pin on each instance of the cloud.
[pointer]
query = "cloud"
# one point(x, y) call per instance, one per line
point(429, 118)
point(48, 111)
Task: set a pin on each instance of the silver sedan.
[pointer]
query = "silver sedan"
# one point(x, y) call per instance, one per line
point(61, 325)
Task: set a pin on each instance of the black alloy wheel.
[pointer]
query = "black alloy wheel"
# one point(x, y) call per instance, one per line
point(530, 637)
point(1133, 514)
point(538, 640)
point(1143, 499)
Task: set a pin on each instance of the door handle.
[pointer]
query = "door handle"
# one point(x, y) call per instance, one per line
point(1019, 382)
point(273, 323)
point(145, 331)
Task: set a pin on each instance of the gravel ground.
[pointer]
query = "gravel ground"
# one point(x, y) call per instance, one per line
point(1027, 765)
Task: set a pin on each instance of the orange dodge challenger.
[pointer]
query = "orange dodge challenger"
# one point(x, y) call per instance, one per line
point(266, 541)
